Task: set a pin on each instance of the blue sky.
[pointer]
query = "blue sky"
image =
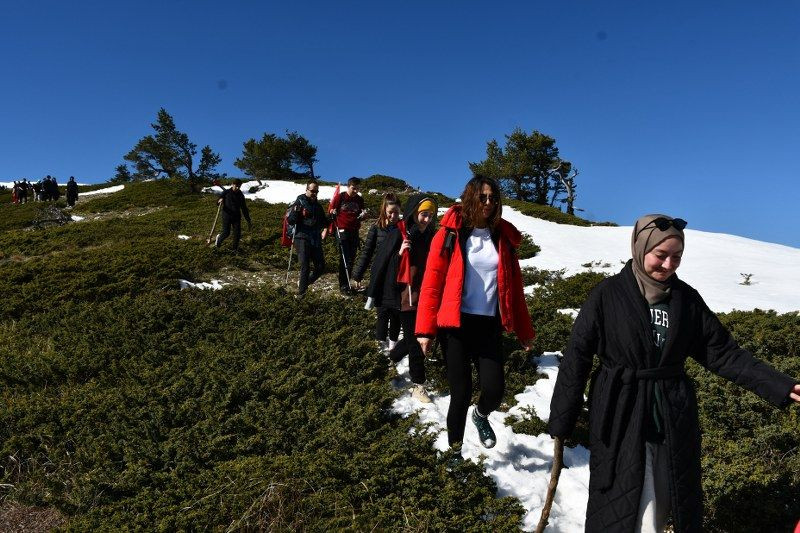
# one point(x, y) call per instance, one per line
point(692, 109)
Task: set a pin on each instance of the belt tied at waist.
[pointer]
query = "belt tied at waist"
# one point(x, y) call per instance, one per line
point(617, 398)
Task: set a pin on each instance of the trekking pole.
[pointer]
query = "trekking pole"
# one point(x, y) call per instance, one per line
point(344, 261)
point(214, 225)
point(558, 463)
point(290, 261)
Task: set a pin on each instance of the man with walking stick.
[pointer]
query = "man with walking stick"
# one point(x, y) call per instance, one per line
point(233, 207)
point(348, 208)
point(310, 228)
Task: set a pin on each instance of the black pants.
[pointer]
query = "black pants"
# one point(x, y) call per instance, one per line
point(308, 251)
point(348, 246)
point(477, 341)
point(416, 359)
point(227, 225)
point(388, 322)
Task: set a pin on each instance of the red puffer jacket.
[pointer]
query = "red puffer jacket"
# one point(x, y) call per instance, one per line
point(440, 294)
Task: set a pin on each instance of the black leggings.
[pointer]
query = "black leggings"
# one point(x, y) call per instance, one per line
point(388, 322)
point(478, 340)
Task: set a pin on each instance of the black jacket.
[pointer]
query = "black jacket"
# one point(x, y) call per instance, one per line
point(308, 217)
point(614, 323)
point(373, 242)
point(72, 189)
point(234, 206)
point(383, 274)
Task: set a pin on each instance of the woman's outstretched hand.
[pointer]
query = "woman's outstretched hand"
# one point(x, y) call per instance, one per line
point(795, 394)
point(423, 343)
point(527, 345)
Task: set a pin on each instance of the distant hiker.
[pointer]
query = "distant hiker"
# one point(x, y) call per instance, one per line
point(472, 291)
point(15, 193)
point(383, 277)
point(643, 323)
point(410, 244)
point(233, 207)
point(72, 191)
point(349, 210)
point(310, 228)
point(37, 191)
point(55, 193)
point(23, 191)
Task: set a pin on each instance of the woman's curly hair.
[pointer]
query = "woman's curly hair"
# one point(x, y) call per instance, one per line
point(471, 203)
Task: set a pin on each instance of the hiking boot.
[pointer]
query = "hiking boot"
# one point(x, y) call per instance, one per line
point(485, 433)
point(420, 394)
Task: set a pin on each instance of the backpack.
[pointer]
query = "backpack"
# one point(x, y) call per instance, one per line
point(287, 234)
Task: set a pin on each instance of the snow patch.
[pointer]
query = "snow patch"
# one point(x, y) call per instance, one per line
point(184, 237)
point(77, 218)
point(115, 188)
point(214, 284)
point(519, 464)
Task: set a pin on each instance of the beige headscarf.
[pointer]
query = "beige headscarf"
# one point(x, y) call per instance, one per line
point(652, 290)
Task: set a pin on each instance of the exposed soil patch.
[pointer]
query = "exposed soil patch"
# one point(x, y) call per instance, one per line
point(16, 517)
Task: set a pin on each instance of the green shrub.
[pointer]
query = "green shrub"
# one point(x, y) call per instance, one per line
point(751, 451)
point(384, 183)
point(527, 248)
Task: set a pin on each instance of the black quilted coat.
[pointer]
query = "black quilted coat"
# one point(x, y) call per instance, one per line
point(614, 323)
point(373, 242)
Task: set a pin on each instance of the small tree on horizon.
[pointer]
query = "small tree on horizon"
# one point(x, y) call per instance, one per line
point(279, 158)
point(122, 175)
point(170, 153)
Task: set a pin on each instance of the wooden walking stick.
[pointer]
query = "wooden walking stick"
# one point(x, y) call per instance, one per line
point(214, 225)
point(558, 463)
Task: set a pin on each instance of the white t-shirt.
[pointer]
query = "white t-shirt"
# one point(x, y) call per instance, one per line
point(480, 277)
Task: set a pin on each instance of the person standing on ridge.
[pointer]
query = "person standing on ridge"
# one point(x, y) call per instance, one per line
point(643, 323)
point(349, 210)
point(72, 191)
point(471, 293)
point(233, 207)
point(310, 228)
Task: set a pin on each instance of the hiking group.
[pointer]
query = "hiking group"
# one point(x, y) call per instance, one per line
point(460, 285)
point(44, 190)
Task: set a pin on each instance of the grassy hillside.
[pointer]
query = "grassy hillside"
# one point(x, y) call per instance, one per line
point(128, 403)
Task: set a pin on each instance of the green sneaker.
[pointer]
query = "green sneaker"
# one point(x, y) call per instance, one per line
point(485, 433)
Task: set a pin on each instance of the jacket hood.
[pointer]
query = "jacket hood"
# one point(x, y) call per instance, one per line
point(411, 206)
point(453, 220)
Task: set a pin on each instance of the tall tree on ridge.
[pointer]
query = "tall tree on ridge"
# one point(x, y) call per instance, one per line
point(524, 167)
point(170, 153)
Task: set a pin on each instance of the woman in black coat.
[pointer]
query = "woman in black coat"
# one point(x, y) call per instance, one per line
point(388, 320)
point(643, 423)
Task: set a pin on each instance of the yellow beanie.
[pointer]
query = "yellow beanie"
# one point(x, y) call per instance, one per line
point(427, 205)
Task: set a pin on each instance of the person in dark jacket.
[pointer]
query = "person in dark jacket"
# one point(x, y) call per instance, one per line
point(473, 291)
point(72, 191)
point(233, 207)
point(348, 208)
point(388, 320)
point(644, 432)
point(310, 228)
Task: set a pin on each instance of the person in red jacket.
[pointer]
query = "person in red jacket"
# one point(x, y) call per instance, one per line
point(349, 210)
point(472, 291)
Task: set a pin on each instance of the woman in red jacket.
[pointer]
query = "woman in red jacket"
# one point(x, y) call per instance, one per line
point(472, 290)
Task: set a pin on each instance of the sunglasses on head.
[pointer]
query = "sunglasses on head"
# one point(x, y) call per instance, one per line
point(663, 224)
point(483, 198)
